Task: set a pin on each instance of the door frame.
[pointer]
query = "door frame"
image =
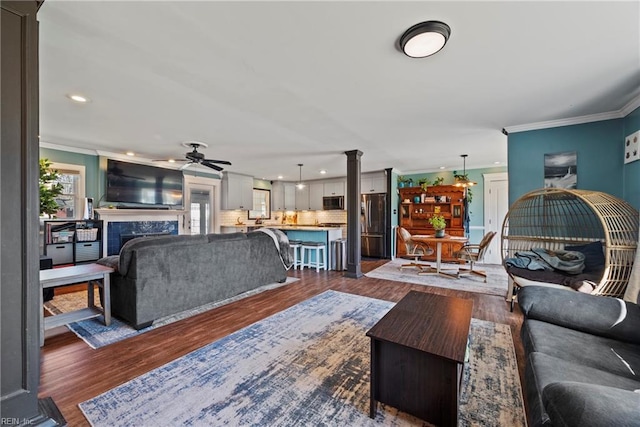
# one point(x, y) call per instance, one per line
point(211, 184)
point(489, 178)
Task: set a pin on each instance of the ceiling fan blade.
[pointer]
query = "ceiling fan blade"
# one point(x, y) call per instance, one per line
point(211, 165)
point(183, 167)
point(222, 162)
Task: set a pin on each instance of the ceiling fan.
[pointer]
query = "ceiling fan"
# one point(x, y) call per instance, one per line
point(195, 157)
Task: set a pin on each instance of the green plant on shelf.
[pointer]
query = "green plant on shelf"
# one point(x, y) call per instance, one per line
point(438, 222)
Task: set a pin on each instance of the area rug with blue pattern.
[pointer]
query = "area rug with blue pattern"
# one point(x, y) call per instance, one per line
point(306, 366)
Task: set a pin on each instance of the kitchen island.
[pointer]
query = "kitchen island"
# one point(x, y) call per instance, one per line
point(311, 233)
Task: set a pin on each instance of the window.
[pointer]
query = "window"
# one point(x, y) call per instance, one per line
point(71, 201)
point(261, 204)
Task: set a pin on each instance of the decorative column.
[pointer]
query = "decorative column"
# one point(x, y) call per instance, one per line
point(353, 215)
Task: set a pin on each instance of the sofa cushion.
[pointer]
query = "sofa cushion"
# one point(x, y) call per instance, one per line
point(604, 316)
point(573, 404)
point(585, 349)
point(542, 370)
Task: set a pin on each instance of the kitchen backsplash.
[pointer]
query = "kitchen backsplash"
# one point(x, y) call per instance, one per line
point(303, 217)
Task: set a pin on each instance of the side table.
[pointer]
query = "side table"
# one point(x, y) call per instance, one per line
point(93, 274)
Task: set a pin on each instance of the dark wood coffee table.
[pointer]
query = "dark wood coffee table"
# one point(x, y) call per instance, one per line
point(417, 356)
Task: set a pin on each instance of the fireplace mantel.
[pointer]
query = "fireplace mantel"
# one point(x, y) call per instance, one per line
point(138, 215)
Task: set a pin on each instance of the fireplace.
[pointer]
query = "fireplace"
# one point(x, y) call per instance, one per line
point(125, 224)
point(124, 238)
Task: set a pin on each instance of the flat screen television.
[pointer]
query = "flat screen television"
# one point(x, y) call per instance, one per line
point(142, 184)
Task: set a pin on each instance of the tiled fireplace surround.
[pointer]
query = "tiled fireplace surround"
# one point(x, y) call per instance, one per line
point(121, 223)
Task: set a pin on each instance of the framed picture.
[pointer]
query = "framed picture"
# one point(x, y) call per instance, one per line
point(561, 170)
point(632, 147)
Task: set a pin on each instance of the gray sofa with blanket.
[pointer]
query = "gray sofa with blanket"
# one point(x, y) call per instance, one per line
point(161, 276)
point(583, 358)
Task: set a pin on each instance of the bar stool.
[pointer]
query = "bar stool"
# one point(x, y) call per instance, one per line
point(307, 247)
point(297, 253)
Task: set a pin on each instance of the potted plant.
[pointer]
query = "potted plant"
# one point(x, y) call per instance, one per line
point(401, 181)
point(49, 188)
point(439, 224)
point(423, 183)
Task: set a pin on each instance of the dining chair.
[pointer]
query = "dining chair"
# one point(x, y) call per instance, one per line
point(415, 250)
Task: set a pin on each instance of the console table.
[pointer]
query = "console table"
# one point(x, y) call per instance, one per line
point(417, 356)
point(93, 274)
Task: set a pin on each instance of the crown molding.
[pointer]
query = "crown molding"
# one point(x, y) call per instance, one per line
point(564, 122)
point(60, 147)
point(632, 105)
point(624, 111)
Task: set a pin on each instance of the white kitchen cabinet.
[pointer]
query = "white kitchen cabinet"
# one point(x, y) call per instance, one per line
point(373, 183)
point(289, 196)
point(334, 188)
point(316, 193)
point(277, 196)
point(283, 196)
point(302, 198)
point(237, 191)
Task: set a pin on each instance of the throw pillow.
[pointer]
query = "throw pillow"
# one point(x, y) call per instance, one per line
point(594, 256)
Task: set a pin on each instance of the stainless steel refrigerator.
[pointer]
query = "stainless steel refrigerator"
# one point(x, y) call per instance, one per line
point(373, 222)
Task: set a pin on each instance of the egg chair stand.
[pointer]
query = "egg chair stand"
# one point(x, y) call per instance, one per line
point(560, 219)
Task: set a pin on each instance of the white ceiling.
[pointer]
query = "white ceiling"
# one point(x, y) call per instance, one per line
point(271, 84)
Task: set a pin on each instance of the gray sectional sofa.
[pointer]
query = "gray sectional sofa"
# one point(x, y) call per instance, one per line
point(583, 358)
point(162, 276)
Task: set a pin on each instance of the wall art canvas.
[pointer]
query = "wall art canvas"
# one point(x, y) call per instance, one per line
point(632, 147)
point(561, 170)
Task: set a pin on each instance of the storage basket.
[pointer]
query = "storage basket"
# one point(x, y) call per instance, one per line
point(87, 234)
point(62, 236)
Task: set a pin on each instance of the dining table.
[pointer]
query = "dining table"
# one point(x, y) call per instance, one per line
point(431, 239)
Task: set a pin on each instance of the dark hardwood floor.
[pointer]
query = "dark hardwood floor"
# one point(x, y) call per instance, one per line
point(72, 372)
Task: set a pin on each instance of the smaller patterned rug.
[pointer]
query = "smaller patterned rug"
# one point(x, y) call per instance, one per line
point(497, 279)
point(305, 366)
point(96, 334)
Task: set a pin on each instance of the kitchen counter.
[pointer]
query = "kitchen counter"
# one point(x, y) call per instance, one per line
point(302, 227)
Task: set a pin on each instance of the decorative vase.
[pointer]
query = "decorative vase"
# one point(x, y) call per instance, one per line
point(416, 199)
point(440, 233)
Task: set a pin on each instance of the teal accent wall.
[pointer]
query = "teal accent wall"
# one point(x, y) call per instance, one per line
point(90, 163)
point(631, 171)
point(476, 207)
point(600, 156)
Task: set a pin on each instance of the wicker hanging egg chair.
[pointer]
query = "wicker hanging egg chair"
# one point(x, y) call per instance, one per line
point(553, 218)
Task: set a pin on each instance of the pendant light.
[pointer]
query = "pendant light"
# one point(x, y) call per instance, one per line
point(464, 181)
point(300, 184)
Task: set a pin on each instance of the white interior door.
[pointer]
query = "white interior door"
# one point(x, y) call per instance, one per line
point(496, 206)
point(200, 207)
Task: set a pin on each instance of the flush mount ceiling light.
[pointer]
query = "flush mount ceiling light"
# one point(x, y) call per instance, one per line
point(425, 39)
point(300, 184)
point(463, 181)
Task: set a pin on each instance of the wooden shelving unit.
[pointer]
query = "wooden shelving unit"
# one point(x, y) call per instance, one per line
point(418, 205)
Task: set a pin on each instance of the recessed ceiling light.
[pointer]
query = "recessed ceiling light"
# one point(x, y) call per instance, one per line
point(496, 163)
point(441, 167)
point(322, 172)
point(171, 161)
point(280, 176)
point(130, 153)
point(78, 98)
